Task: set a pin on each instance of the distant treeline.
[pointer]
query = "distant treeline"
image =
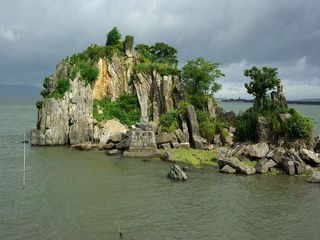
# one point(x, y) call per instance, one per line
point(307, 102)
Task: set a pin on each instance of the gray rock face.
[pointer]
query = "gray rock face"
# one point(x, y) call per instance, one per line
point(176, 173)
point(258, 150)
point(288, 166)
point(117, 137)
point(264, 129)
point(199, 142)
point(182, 137)
point(237, 165)
point(165, 138)
point(165, 146)
point(193, 124)
point(160, 96)
point(227, 169)
point(277, 155)
point(315, 178)
point(317, 146)
point(211, 108)
point(264, 165)
point(309, 157)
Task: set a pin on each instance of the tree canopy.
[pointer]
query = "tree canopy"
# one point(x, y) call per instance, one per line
point(199, 77)
point(113, 37)
point(263, 80)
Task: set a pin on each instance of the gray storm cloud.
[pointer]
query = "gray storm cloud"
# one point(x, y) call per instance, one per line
point(36, 34)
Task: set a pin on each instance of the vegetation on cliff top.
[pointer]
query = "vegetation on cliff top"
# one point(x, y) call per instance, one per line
point(159, 57)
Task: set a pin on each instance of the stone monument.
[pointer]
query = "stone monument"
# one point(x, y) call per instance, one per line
point(142, 138)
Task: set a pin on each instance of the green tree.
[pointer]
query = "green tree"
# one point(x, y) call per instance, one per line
point(164, 53)
point(263, 80)
point(199, 77)
point(113, 37)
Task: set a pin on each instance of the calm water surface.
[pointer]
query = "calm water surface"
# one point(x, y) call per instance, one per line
point(80, 195)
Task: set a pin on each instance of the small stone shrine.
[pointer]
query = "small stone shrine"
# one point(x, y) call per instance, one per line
point(142, 138)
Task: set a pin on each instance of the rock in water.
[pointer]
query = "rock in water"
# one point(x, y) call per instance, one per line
point(176, 173)
point(166, 157)
point(315, 178)
point(227, 169)
point(236, 164)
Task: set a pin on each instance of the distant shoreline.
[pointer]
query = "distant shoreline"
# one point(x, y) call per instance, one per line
point(289, 101)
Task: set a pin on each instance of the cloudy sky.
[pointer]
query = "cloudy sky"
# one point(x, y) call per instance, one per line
point(36, 34)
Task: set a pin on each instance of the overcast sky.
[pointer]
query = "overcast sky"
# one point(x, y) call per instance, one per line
point(36, 34)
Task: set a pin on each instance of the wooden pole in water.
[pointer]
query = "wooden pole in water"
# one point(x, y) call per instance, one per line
point(24, 161)
point(119, 229)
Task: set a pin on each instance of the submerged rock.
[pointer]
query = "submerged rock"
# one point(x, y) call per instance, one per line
point(315, 178)
point(227, 169)
point(176, 173)
point(237, 165)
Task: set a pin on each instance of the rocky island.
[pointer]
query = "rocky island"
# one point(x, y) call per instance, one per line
point(129, 99)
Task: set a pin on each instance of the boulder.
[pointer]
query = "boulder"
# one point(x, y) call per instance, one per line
point(227, 169)
point(117, 137)
point(199, 142)
point(309, 157)
point(185, 145)
point(110, 128)
point(277, 155)
point(109, 146)
point(165, 146)
point(315, 178)
point(176, 173)
point(166, 138)
point(175, 145)
point(236, 164)
point(258, 150)
point(123, 145)
point(264, 165)
point(264, 129)
point(288, 166)
point(112, 151)
point(83, 146)
point(166, 157)
point(182, 137)
point(238, 150)
point(227, 138)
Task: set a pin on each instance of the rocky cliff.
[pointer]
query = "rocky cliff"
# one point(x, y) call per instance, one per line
point(67, 117)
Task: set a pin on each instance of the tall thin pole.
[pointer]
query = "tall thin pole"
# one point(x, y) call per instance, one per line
point(24, 160)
